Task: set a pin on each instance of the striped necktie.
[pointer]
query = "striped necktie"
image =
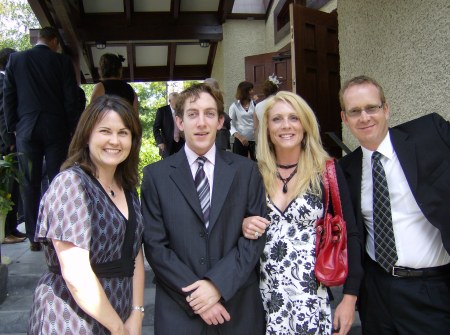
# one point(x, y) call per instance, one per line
point(385, 251)
point(202, 185)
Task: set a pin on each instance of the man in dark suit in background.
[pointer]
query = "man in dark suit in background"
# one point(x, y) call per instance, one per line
point(8, 145)
point(165, 131)
point(40, 105)
point(407, 231)
point(193, 205)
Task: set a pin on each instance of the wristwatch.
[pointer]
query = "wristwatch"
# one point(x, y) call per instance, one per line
point(138, 308)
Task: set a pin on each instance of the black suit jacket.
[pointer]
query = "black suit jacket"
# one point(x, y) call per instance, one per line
point(423, 150)
point(181, 251)
point(163, 129)
point(7, 139)
point(40, 83)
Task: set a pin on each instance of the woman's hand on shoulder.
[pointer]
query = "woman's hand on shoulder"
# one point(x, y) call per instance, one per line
point(254, 226)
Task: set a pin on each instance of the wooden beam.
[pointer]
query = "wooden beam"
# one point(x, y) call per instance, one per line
point(42, 13)
point(175, 8)
point(225, 9)
point(171, 59)
point(63, 16)
point(128, 5)
point(130, 57)
point(151, 26)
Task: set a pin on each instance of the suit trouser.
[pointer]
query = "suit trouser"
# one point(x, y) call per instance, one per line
point(240, 149)
point(31, 155)
point(399, 305)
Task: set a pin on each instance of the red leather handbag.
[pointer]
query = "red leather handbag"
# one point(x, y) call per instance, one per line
point(331, 267)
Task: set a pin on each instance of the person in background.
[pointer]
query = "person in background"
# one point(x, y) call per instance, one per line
point(292, 161)
point(110, 70)
point(193, 203)
point(270, 87)
point(223, 135)
point(91, 225)
point(40, 106)
point(167, 135)
point(8, 145)
point(399, 180)
point(241, 114)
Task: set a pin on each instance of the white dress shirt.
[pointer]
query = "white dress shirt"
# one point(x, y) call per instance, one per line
point(418, 242)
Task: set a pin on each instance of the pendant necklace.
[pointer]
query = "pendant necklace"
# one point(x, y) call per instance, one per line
point(286, 180)
point(290, 166)
point(111, 192)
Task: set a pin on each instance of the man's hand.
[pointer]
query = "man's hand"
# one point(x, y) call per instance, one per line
point(344, 315)
point(217, 314)
point(203, 297)
point(241, 139)
point(162, 147)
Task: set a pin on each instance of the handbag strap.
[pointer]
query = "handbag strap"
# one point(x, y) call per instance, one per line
point(332, 179)
point(326, 189)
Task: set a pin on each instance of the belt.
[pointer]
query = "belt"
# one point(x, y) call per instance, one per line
point(400, 271)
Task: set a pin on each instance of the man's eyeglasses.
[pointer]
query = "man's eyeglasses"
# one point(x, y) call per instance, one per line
point(370, 110)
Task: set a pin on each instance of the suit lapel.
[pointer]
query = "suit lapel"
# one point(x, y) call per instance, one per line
point(182, 177)
point(406, 153)
point(224, 172)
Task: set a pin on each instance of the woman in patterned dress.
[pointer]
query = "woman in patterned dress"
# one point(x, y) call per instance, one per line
point(91, 226)
point(292, 160)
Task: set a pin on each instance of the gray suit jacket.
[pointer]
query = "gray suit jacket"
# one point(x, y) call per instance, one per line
point(181, 251)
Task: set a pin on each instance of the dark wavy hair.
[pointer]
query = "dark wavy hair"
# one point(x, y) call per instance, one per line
point(110, 65)
point(4, 56)
point(127, 172)
point(193, 93)
point(243, 91)
point(269, 88)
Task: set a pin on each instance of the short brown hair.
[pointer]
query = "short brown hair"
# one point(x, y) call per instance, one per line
point(48, 33)
point(359, 80)
point(193, 93)
point(127, 171)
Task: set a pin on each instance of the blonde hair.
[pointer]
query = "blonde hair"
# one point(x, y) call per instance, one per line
point(311, 164)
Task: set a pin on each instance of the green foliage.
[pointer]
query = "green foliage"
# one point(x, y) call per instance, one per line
point(16, 19)
point(8, 174)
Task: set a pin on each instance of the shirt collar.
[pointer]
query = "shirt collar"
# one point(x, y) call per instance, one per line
point(192, 156)
point(385, 148)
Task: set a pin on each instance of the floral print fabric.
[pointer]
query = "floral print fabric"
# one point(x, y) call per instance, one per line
point(295, 303)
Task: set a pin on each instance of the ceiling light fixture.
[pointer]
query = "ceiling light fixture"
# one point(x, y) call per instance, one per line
point(100, 44)
point(204, 43)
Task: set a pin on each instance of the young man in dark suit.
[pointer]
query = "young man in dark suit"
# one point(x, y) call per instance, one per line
point(193, 205)
point(406, 224)
point(167, 135)
point(40, 106)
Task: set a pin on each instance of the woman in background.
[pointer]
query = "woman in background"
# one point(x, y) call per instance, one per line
point(91, 225)
point(110, 70)
point(241, 113)
point(292, 161)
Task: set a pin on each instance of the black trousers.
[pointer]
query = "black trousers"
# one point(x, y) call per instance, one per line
point(240, 149)
point(31, 155)
point(406, 306)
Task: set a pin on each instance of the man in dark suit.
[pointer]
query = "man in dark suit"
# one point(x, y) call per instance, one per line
point(205, 269)
point(407, 233)
point(167, 135)
point(40, 105)
point(8, 145)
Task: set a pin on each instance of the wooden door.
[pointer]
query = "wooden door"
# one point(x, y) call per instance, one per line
point(258, 68)
point(315, 68)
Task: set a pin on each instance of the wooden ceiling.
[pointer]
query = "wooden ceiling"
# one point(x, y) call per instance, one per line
point(160, 39)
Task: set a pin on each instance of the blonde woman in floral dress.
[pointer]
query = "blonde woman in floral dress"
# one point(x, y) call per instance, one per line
point(292, 160)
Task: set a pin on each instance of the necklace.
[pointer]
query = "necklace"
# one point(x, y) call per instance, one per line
point(290, 166)
point(111, 192)
point(286, 180)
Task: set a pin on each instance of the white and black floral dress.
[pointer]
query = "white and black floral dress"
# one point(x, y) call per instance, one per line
point(295, 303)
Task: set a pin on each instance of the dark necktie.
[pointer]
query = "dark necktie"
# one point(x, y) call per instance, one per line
point(385, 251)
point(202, 185)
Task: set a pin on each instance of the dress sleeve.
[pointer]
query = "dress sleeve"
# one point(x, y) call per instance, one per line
point(65, 211)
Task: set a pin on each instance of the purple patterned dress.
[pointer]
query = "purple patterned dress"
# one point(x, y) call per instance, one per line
point(75, 209)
